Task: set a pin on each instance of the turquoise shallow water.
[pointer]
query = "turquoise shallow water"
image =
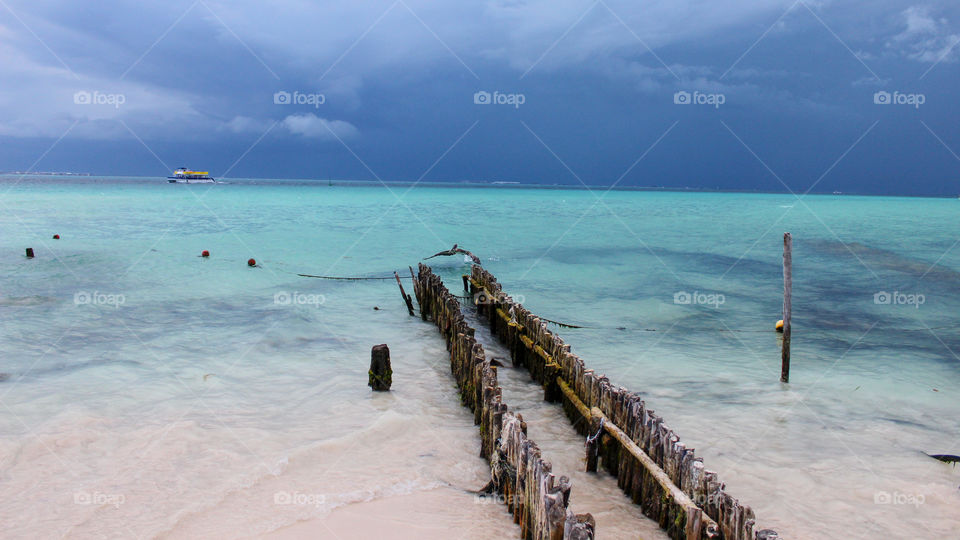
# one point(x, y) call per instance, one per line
point(193, 384)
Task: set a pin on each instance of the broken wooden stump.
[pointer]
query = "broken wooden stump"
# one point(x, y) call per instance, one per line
point(29, 253)
point(580, 527)
point(380, 374)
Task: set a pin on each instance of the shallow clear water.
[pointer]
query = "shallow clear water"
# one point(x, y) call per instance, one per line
point(188, 407)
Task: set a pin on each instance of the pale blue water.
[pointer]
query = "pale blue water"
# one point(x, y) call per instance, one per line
point(114, 399)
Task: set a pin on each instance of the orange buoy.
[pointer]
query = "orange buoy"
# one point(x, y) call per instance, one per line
point(56, 237)
point(779, 326)
point(204, 253)
point(252, 262)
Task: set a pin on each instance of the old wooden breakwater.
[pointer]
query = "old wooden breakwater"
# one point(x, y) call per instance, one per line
point(627, 438)
point(520, 475)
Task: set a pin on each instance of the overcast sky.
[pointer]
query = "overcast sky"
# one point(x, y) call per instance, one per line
point(730, 94)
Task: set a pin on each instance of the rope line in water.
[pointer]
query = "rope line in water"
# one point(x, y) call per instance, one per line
point(347, 278)
point(558, 323)
point(728, 330)
point(736, 331)
point(623, 328)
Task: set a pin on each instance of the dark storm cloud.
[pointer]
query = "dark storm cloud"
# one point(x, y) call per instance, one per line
point(725, 94)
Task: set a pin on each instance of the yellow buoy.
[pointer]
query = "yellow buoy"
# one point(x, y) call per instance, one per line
point(780, 325)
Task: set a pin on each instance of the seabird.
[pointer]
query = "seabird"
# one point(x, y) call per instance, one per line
point(453, 251)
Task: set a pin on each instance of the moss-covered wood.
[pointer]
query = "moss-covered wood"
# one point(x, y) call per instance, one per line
point(380, 374)
point(563, 374)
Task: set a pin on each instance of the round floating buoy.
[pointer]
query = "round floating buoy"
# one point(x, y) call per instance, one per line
point(252, 262)
point(204, 253)
point(56, 237)
point(780, 325)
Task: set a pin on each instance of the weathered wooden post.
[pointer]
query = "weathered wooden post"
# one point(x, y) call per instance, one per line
point(551, 389)
point(380, 374)
point(787, 291)
point(594, 432)
point(466, 282)
point(406, 297)
point(29, 253)
point(422, 298)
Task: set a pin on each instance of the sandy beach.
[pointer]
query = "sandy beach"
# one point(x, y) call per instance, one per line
point(428, 515)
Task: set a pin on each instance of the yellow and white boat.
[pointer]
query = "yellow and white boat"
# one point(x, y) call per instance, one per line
point(186, 176)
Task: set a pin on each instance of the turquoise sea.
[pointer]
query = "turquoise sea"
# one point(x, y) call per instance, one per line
point(149, 392)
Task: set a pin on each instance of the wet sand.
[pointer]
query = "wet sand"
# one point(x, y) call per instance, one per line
point(437, 514)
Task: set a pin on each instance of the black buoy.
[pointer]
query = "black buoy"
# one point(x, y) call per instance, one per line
point(29, 253)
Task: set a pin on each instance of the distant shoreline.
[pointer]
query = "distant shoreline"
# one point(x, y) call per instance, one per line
point(44, 173)
point(493, 184)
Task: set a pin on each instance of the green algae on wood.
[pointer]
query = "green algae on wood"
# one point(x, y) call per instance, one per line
point(380, 374)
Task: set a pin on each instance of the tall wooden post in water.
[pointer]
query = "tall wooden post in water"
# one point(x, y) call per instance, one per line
point(406, 297)
point(787, 291)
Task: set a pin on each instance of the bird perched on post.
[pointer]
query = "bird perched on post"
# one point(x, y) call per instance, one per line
point(453, 251)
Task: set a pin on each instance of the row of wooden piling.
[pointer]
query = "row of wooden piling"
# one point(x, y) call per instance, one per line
point(537, 499)
point(634, 444)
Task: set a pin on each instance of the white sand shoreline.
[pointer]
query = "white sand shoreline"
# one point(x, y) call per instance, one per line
point(436, 514)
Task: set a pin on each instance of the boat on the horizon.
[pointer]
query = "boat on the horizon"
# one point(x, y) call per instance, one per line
point(186, 176)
